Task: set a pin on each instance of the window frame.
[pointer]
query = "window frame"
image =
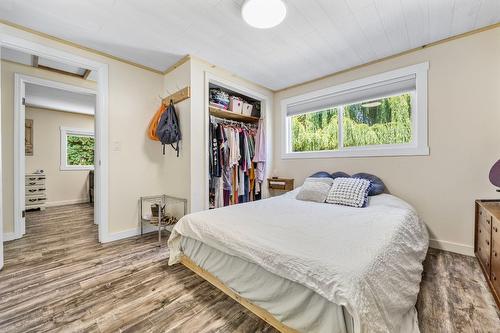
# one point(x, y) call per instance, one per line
point(417, 147)
point(65, 132)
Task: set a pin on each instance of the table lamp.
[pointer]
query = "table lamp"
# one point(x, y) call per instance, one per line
point(495, 175)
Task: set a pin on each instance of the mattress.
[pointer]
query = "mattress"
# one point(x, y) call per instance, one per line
point(367, 260)
point(291, 303)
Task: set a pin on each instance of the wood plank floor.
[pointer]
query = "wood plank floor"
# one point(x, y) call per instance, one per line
point(59, 278)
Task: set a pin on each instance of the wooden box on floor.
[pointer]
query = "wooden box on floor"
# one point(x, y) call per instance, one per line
point(487, 242)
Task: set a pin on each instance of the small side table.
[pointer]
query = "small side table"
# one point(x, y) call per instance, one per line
point(279, 185)
point(174, 206)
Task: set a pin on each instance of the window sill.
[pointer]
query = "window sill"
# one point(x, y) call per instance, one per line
point(360, 152)
point(76, 168)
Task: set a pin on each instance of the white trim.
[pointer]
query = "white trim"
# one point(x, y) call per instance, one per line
point(265, 116)
point(64, 133)
point(2, 235)
point(9, 236)
point(67, 202)
point(135, 232)
point(452, 247)
point(101, 121)
point(419, 145)
point(55, 108)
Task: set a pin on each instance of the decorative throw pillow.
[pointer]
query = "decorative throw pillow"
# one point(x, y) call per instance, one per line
point(377, 186)
point(339, 174)
point(321, 174)
point(315, 189)
point(349, 192)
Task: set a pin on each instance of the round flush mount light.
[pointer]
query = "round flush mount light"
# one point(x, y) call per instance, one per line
point(263, 14)
point(371, 104)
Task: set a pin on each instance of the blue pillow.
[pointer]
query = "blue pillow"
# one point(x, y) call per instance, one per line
point(377, 185)
point(339, 174)
point(321, 174)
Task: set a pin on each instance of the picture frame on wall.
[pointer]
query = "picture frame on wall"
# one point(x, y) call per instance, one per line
point(28, 137)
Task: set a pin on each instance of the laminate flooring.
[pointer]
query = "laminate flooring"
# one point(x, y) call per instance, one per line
point(58, 277)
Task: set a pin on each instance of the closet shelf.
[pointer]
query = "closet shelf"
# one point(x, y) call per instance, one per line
point(221, 113)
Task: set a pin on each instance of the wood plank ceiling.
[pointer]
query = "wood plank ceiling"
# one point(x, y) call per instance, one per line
point(317, 37)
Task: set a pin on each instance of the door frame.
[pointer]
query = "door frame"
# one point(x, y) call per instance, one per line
point(101, 119)
point(266, 107)
point(20, 81)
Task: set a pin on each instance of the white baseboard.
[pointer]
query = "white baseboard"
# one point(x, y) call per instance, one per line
point(131, 233)
point(66, 202)
point(8, 236)
point(452, 247)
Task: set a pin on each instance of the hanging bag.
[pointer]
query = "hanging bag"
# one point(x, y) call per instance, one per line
point(168, 130)
point(153, 125)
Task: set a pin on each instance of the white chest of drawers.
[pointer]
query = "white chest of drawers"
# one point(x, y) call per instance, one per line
point(35, 191)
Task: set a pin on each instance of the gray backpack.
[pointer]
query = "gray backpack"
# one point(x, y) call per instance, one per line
point(168, 130)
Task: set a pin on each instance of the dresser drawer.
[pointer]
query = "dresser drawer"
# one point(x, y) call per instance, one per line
point(32, 178)
point(34, 190)
point(495, 265)
point(485, 217)
point(495, 229)
point(35, 200)
point(484, 247)
point(35, 182)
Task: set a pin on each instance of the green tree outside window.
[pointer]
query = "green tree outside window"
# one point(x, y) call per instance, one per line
point(387, 122)
point(80, 150)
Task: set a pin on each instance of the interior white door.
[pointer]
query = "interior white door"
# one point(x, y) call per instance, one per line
point(1, 187)
point(22, 162)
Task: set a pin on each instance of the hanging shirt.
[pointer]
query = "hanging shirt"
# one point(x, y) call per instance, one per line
point(260, 153)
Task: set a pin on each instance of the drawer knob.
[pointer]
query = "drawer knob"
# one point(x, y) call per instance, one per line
point(488, 221)
point(487, 242)
point(495, 229)
point(480, 213)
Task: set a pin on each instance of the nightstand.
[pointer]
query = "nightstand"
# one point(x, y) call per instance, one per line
point(279, 185)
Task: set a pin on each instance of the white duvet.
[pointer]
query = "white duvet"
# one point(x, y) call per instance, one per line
point(368, 260)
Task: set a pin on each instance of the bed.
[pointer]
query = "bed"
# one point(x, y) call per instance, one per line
point(311, 267)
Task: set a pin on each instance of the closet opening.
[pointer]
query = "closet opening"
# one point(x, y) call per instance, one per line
point(236, 146)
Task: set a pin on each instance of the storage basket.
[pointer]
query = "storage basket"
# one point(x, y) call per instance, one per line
point(235, 104)
point(247, 109)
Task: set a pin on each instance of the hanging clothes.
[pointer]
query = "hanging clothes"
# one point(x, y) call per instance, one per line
point(260, 156)
point(232, 168)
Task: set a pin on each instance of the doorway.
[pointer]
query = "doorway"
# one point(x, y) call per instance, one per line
point(101, 125)
point(55, 165)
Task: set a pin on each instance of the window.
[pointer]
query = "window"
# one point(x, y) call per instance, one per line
point(383, 115)
point(77, 149)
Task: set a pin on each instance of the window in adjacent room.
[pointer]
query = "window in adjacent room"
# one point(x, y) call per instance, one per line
point(383, 115)
point(77, 149)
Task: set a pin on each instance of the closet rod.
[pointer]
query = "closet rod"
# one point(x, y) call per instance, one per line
point(229, 121)
point(178, 96)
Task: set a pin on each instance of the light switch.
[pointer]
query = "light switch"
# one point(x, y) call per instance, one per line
point(116, 146)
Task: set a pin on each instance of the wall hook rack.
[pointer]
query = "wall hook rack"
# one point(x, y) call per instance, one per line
point(178, 96)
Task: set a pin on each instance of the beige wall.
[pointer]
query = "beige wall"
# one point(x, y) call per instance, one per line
point(136, 166)
point(63, 186)
point(8, 69)
point(464, 136)
point(177, 179)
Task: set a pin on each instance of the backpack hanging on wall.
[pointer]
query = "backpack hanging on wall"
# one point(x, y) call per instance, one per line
point(168, 130)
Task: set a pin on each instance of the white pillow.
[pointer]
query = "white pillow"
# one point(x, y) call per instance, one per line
point(315, 189)
point(349, 192)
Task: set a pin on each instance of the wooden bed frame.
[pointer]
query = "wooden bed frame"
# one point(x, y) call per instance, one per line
point(257, 310)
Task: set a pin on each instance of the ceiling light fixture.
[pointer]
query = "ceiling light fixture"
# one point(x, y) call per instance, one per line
point(371, 104)
point(263, 14)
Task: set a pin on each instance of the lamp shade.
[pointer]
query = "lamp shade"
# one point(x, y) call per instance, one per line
point(495, 174)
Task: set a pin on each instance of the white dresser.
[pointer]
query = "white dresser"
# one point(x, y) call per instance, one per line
point(35, 191)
